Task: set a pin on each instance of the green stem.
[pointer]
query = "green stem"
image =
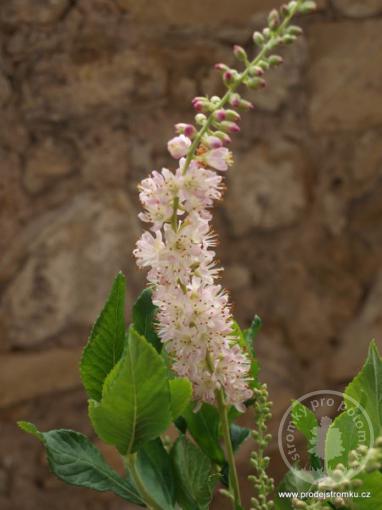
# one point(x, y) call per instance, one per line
point(150, 503)
point(233, 477)
point(267, 47)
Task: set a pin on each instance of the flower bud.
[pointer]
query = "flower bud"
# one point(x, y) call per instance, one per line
point(273, 19)
point(213, 142)
point(288, 39)
point(229, 77)
point(255, 83)
point(221, 67)
point(258, 38)
point(201, 104)
point(185, 129)
point(232, 127)
point(240, 53)
point(267, 32)
point(275, 60)
point(220, 114)
point(295, 30)
point(291, 6)
point(307, 7)
point(215, 99)
point(246, 105)
point(256, 71)
point(232, 115)
point(200, 119)
point(235, 100)
point(226, 139)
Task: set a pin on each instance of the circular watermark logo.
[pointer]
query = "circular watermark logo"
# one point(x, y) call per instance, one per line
point(312, 442)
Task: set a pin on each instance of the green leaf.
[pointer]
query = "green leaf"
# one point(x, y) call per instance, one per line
point(181, 393)
point(352, 428)
point(371, 483)
point(204, 426)
point(143, 318)
point(306, 422)
point(193, 474)
point(245, 339)
point(106, 342)
point(155, 469)
point(366, 388)
point(251, 333)
point(238, 435)
point(135, 405)
point(76, 461)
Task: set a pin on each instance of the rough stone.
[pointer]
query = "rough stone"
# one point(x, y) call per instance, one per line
point(57, 370)
point(266, 189)
point(33, 11)
point(76, 87)
point(47, 161)
point(5, 90)
point(345, 96)
point(358, 8)
point(183, 12)
point(69, 268)
point(357, 336)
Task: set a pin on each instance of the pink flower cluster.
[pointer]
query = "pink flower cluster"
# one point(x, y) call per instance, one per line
point(194, 319)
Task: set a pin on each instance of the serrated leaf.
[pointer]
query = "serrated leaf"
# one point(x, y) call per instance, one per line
point(106, 342)
point(204, 426)
point(366, 388)
point(155, 470)
point(76, 461)
point(135, 405)
point(363, 396)
point(181, 394)
point(193, 474)
point(306, 422)
point(143, 318)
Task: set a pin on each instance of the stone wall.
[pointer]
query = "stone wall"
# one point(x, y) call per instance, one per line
point(89, 92)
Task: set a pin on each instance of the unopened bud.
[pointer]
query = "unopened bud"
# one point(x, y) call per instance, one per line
point(226, 139)
point(339, 502)
point(258, 38)
point(255, 83)
point(273, 19)
point(232, 115)
point(256, 71)
point(246, 105)
point(232, 127)
point(288, 39)
point(220, 114)
point(201, 104)
point(200, 119)
point(235, 100)
point(275, 60)
point(240, 53)
point(292, 6)
point(267, 32)
point(185, 129)
point(295, 30)
point(213, 142)
point(229, 76)
point(308, 6)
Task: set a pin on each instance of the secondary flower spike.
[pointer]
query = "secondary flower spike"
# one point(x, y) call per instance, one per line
point(194, 320)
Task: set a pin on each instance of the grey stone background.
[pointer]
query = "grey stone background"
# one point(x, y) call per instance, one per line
point(89, 92)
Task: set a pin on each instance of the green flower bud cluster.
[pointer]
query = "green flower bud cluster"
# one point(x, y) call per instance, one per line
point(342, 479)
point(263, 484)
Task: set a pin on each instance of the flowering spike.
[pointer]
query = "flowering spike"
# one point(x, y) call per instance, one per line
point(194, 319)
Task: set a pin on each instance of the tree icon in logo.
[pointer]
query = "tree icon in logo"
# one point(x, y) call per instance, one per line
point(319, 445)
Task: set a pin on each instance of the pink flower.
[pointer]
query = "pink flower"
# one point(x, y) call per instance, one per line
point(220, 158)
point(178, 146)
point(213, 142)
